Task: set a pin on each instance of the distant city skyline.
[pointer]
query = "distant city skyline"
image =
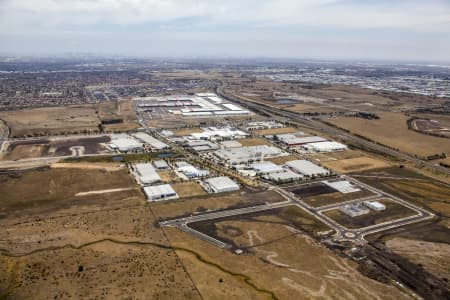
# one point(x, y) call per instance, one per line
point(303, 29)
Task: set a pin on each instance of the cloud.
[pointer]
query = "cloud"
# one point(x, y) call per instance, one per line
point(412, 28)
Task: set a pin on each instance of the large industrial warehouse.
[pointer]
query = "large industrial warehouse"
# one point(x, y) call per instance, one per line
point(126, 144)
point(221, 184)
point(248, 154)
point(160, 192)
point(307, 168)
point(146, 173)
point(151, 141)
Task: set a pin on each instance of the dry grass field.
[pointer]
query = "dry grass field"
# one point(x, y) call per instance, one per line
point(282, 159)
point(277, 264)
point(187, 131)
point(276, 131)
point(168, 176)
point(51, 120)
point(56, 245)
point(391, 129)
point(188, 189)
point(434, 257)
point(213, 202)
point(123, 109)
point(47, 188)
point(356, 164)
point(253, 142)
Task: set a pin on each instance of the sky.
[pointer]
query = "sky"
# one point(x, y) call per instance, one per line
point(394, 30)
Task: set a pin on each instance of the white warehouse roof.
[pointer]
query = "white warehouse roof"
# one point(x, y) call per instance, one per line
point(266, 167)
point(154, 143)
point(325, 146)
point(306, 167)
point(286, 175)
point(222, 184)
point(125, 144)
point(301, 140)
point(160, 192)
point(342, 186)
point(147, 173)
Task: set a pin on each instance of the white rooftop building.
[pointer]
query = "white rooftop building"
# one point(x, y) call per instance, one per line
point(307, 168)
point(343, 186)
point(151, 141)
point(325, 146)
point(375, 205)
point(126, 144)
point(221, 184)
point(266, 167)
point(216, 133)
point(248, 154)
point(285, 176)
point(294, 140)
point(160, 192)
point(147, 173)
point(190, 171)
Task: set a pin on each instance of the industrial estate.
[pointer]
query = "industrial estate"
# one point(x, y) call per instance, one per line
point(200, 184)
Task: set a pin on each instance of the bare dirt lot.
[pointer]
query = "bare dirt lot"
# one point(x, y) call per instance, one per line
point(123, 109)
point(51, 120)
point(55, 147)
point(393, 211)
point(253, 142)
point(392, 130)
point(188, 189)
point(356, 164)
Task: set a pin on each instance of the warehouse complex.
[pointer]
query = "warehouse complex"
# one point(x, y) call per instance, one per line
point(248, 154)
point(198, 105)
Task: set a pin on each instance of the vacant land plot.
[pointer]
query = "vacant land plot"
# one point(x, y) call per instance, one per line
point(213, 202)
point(434, 257)
point(168, 176)
point(55, 147)
point(61, 255)
point(412, 187)
point(187, 131)
point(276, 131)
point(253, 142)
point(123, 109)
point(277, 264)
point(51, 120)
point(392, 130)
point(188, 189)
point(282, 159)
point(356, 164)
point(393, 211)
point(50, 188)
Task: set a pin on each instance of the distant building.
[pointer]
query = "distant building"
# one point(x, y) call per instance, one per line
point(190, 171)
point(342, 186)
point(161, 165)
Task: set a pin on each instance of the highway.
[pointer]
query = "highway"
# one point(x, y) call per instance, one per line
point(329, 130)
